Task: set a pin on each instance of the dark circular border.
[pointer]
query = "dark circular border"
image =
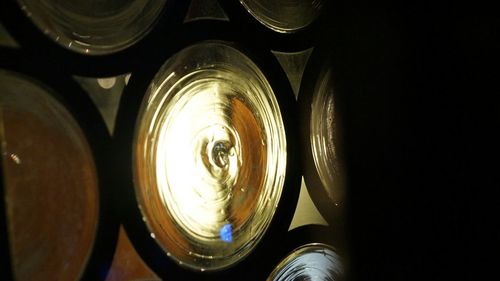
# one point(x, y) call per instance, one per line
point(65, 90)
point(270, 39)
point(148, 249)
point(35, 43)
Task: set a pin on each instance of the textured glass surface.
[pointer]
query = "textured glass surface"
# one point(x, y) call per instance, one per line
point(311, 262)
point(210, 156)
point(51, 191)
point(323, 136)
point(94, 26)
point(284, 16)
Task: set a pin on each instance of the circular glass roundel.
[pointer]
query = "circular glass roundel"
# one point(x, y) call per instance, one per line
point(51, 186)
point(284, 16)
point(209, 156)
point(314, 261)
point(94, 27)
point(323, 137)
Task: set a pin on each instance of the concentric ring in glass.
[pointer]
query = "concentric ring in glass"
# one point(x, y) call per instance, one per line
point(209, 156)
point(94, 27)
point(324, 138)
point(284, 16)
point(315, 261)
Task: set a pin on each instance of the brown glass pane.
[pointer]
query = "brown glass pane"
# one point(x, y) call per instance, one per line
point(51, 187)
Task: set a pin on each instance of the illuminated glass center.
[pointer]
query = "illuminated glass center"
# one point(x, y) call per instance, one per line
point(210, 156)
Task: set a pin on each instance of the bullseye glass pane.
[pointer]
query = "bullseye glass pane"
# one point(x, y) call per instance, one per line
point(94, 26)
point(210, 156)
point(284, 16)
point(324, 138)
point(51, 186)
point(318, 262)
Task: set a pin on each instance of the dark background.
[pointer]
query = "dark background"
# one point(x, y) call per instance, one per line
point(417, 107)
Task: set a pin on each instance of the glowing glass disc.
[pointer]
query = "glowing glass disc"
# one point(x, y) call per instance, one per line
point(210, 156)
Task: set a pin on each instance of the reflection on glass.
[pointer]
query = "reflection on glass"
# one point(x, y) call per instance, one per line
point(51, 190)
point(310, 262)
point(284, 16)
point(323, 137)
point(210, 156)
point(94, 26)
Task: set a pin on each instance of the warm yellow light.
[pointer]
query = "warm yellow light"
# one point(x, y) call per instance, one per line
point(210, 156)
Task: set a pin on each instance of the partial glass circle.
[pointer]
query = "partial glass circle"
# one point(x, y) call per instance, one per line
point(316, 261)
point(94, 27)
point(51, 185)
point(324, 138)
point(209, 156)
point(284, 16)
